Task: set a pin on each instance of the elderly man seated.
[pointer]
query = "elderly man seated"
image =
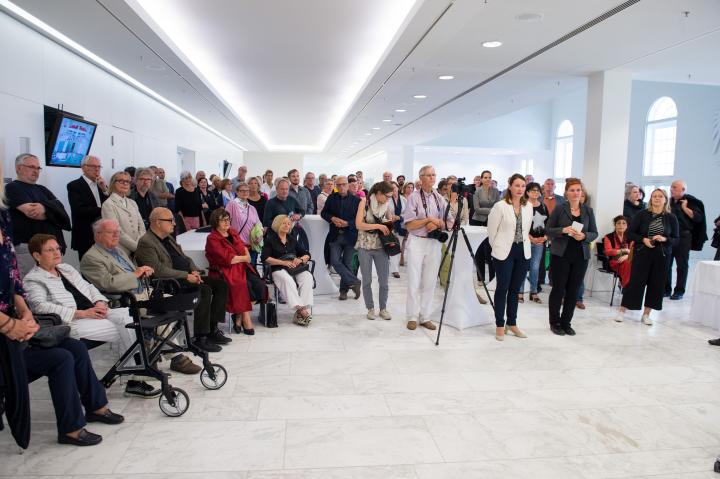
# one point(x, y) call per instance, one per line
point(159, 250)
point(109, 268)
point(53, 287)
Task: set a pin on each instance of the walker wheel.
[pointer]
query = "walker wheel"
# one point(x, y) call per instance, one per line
point(220, 374)
point(179, 404)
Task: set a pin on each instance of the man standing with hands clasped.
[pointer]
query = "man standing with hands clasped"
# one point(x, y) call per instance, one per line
point(423, 220)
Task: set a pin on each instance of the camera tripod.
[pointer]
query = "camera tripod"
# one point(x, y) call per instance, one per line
point(451, 247)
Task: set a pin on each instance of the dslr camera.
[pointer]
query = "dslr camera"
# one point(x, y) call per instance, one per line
point(439, 235)
point(461, 188)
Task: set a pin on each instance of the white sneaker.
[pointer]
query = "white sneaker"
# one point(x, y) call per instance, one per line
point(646, 320)
point(371, 314)
point(384, 314)
point(619, 318)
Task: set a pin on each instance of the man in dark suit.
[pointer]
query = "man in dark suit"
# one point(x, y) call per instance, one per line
point(86, 195)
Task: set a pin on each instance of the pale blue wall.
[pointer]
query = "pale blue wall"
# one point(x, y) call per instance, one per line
point(694, 160)
point(573, 107)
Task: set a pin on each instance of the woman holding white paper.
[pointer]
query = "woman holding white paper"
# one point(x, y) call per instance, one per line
point(571, 227)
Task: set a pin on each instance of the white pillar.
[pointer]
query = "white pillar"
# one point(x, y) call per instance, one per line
point(606, 144)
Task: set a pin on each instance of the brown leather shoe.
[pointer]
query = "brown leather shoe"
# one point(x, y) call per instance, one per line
point(356, 288)
point(183, 364)
point(343, 295)
point(411, 325)
point(580, 305)
point(428, 325)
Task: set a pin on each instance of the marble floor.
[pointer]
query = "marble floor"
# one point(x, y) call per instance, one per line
point(352, 398)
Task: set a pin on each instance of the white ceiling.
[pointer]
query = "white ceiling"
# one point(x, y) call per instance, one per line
point(289, 61)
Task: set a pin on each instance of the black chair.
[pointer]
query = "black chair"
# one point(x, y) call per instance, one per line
point(604, 261)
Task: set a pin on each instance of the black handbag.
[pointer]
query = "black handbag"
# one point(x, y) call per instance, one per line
point(268, 315)
point(297, 269)
point(256, 285)
point(52, 331)
point(390, 243)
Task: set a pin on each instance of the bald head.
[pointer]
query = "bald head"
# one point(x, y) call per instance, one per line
point(677, 189)
point(107, 233)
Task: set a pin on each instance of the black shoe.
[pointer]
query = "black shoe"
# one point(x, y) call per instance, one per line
point(249, 331)
point(557, 330)
point(108, 418)
point(141, 389)
point(569, 331)
point(237, 328)
point(206, 345)
point(539, 289)
point(343, 295)
point(85, 438)
point(356, 289)
point(218, 337)
point(676, 296)
point(714, 342)
point(666, 295)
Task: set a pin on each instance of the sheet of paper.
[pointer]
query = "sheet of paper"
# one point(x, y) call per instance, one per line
point(577, 226)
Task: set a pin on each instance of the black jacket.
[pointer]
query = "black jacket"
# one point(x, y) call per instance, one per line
point(18, 193)
point(639, 229)
point(698, 223)
point(630, 210)
point(274, 248)
point(83, 211)
point(560, 218)
point(344, 208)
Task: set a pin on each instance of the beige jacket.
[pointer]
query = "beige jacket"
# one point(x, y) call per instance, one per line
point(126, 213)
point(101, 268)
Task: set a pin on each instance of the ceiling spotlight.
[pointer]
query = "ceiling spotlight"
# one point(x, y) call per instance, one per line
point(387, 120)
point(420, 97)
point(368, 134)
point(491, 44)
point(401, 110)
point(529, 17)
point(446, 77)
point(376, 128)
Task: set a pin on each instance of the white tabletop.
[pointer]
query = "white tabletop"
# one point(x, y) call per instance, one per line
point(462, 309)
point(317, 229)
point(705, 288)
point(193, 245)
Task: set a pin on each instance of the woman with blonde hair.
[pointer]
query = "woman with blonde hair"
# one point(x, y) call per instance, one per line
point(287, 260)
point(654, 231)
point(121, 208)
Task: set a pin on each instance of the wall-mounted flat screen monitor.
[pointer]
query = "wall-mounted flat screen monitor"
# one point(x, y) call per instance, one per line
point(69, 140)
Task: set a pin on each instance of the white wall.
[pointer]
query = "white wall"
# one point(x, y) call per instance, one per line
point(572, 107)
point(258, 161)
point(698, 107)
point(36, 72)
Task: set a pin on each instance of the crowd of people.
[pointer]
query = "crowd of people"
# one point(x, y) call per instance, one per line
point(124, 230)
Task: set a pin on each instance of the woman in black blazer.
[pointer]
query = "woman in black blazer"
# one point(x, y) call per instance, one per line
point(655, 231)
point(570, 253)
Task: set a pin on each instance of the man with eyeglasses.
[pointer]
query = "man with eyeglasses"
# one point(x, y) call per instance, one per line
point(159, 250)
point(142, 194)
point(86, 195)
point(33, 209)
point(312, 188)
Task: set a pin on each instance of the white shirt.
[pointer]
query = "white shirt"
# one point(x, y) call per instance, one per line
point(94, 188)
point(267, 189)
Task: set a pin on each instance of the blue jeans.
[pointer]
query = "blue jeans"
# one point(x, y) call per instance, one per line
point(510, 274)
point(341, 255)
point(536, 257)
point(581, 291)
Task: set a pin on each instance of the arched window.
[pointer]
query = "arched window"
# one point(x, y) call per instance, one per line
point(563, 150)
point(660, 134)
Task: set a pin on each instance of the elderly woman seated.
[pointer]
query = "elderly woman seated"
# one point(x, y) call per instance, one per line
point(228, 258)
point(52, 287)
point(286, 259)
point(123, 209)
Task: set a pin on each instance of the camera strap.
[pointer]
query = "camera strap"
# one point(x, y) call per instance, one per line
point(424, 202)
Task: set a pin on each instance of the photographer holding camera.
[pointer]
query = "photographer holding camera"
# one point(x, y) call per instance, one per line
point(424, 222)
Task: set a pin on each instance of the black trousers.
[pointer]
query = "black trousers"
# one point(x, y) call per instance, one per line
point(568, 275)
point(476, 222)
point(211, 309)
point(72, 381)
point(681, 254)
point(541, 271)
point(717, 254)
point(647, 277)
point(511, 274)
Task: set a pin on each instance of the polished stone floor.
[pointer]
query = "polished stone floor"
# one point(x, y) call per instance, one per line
point(352, 398)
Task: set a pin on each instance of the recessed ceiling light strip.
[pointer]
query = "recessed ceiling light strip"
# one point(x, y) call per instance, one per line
point(339, 134)
point(49, 32)
point(562, 39)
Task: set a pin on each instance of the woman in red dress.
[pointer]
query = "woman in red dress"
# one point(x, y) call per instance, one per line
point(617, 248)
point(229, 257)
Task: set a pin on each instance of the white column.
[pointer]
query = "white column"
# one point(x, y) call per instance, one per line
point(606, 144)
point(606, 148)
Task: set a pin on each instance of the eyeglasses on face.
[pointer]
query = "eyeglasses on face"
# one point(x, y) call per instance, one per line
point(123, 182)
point(169, 220)
point(93, 167)
point(30, 167)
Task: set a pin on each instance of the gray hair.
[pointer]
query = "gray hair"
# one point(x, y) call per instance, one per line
point(185, 174)
point(282, 180)
point(22, 157)
point(628, 189)
point(97, 225)
point(87, 158)
point(424, 169)
point(142, 170)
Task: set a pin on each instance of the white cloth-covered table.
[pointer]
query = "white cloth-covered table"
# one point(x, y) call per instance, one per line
point(193, 245)
point(463, 310)
point(317, 229)
point(705, 288)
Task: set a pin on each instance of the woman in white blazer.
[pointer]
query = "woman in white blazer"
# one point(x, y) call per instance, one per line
point(123, 209)
point(509, 224)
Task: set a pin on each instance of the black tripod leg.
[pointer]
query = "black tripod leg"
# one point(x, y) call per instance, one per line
point(472, 255)
point(452, 244)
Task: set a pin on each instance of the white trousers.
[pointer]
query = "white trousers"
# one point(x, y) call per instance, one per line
point(395, 264)
point(297, 290)
point(422, 258)
point(110, 330)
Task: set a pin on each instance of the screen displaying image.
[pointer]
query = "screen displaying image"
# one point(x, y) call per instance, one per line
point(72, 142)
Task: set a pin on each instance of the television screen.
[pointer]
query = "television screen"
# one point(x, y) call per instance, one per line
point(70, 141)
